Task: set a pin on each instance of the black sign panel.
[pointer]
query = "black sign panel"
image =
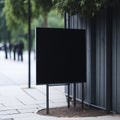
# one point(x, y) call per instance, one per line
point(61, 55)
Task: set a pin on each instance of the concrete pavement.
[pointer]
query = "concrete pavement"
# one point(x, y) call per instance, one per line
point(18, 102)
point(21, 103)
point(16, 72)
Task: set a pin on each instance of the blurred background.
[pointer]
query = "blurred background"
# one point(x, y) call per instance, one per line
point(15, 18)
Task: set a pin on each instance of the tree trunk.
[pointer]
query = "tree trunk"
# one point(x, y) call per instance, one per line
point(45, 23)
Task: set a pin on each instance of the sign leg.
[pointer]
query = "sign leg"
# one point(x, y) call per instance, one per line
point(74, 94)
point(82, 94)
point(47, 98)
point(68, 95)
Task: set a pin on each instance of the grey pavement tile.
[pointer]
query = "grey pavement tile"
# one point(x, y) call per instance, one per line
point(8, 119)
point(57, 104)
point(11, 102)
point(10, 91)
point(21, 107)
point(42, 89)
point(2, 106)
point(28, 116)
point(42, 105)
point(35, 94)
point(58, 101)
point(26, 99)
point(30, 110)
point(57, 97)
point(9, 112)
point(58, 88)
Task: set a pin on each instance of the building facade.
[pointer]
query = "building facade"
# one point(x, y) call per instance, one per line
point(102, 88)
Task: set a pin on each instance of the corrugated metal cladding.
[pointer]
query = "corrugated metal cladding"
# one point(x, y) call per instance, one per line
point(102, 88)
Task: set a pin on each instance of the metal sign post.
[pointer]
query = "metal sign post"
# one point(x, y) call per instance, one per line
point(47, 98)
point(29, 44)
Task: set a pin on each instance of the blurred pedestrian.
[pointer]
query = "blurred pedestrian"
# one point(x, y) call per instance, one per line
point(18, 48)
point(5, 49)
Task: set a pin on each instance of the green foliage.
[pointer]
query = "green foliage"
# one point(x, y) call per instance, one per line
point(84, 7)
point(55, 20)
point(15, 13)
point(44, 5)
point(1, 21)
point(12, 22)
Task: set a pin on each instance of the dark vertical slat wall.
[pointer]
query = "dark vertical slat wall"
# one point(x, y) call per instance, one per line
point(108, 58)
point(93, 61)
point(100, 60)
point(118, 63)
point(88, 39)
point(102, 88)
point(116, 60)
point(81, 23)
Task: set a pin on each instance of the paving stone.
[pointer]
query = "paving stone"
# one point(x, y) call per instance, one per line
point(2, 106)
point(30, 110)
point(21, 107)
point(29, 116)
point(9, 112)
point(7, 119)
point(57, 104)
point(26, 99)
point(35, 94)
point(8, 101)
point(42, 105)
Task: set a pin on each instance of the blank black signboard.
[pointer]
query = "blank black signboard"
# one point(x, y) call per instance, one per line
point(61, 55)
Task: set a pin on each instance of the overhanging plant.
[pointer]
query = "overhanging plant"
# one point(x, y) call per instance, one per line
point(83, 7)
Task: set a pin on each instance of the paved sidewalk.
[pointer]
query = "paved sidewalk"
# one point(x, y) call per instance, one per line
point(21, 103)
point(14, 72)
point(18, 102)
